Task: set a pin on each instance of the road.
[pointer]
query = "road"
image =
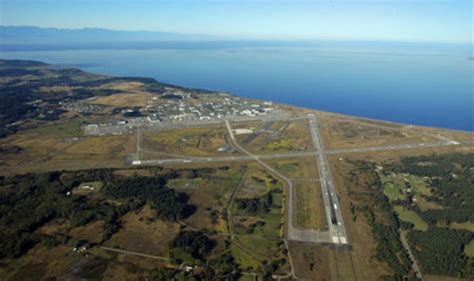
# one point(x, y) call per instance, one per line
point(292, 233)
point(414, 264)
point(337, 232)
point(188, 159)
point(391, 147)
point(337, 229)
point(144, 124)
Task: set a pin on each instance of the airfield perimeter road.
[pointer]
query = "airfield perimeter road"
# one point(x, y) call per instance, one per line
point(337, 232)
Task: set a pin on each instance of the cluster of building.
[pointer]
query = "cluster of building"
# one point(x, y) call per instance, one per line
point(178, 107)
point(182, 109)
point(82, 107)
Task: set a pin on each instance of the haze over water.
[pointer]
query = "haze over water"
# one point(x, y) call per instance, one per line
point(419, 84)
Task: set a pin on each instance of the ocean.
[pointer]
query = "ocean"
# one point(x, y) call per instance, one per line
point(420, 84)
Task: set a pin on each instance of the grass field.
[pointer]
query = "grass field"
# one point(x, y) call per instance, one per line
point(212, 197)
point(464, 225)
point(257, 182)
point(244, 258)
point(141, 233)
point(346, 131)
point(186, 142)
point(274, 137)
point(410, 216)
point(63, 130)
point(309, 206)
point(185, 183)
point(469, 249)
point(273, 219)
point(396, 186)
point(304, 167)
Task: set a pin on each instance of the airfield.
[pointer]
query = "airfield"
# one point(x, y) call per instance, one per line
point(335, 230)
point(311, 177)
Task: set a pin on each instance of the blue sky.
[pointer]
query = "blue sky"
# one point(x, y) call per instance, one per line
point(403, 20)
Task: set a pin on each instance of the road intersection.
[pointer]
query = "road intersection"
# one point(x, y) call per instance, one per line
point(336, 233)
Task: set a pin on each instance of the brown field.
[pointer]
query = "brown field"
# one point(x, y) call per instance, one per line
point(274, 137)
point(340, 131)
point(47, 152)
point(347, 133)
point(309, 205)
point(44, 264)
point(91, 232)
point(144, 234)
point(319, 262)
point(196, 141)
point(213, 196)
point(136, 99)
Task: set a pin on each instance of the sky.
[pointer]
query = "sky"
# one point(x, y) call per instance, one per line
point(399, 20)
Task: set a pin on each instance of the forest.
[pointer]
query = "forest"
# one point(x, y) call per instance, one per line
point(440, 249)
point(30, 201)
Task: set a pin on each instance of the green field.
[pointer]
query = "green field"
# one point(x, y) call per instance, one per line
point(469, 249)
point(465, 225)
point(395, 186)
point(69, 129)
point(410, 216)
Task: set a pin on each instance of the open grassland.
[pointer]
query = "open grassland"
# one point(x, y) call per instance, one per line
point(257, 182)
point(196, 141)
point(462, 225)
point(244, 257)
point(106, 147)
point(61, 130)
point(345, 132)
point(42, 262)
point(58, 147)
point(130, 94)
point(211, 197)
point(303, 168)
point(141, 232)
point(397, 186)
point(253, 252)
point(265, 219)
point(139, 99)
point(469, 249)
point(274, 137)
point(309, 205)
point(411, 217)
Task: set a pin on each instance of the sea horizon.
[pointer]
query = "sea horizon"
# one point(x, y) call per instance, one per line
point(423, 84)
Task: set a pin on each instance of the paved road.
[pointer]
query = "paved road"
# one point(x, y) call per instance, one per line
point(337, 229)
point(391, 147)
point(188, 159)
point(410, 254)
point(337, 232)
point(184, 159)
point(293, 233)
point(144, 124)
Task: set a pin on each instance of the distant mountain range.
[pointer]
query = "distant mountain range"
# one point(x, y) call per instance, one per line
point(12, 37)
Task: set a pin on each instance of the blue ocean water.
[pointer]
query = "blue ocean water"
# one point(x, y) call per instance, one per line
point(418, 84)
